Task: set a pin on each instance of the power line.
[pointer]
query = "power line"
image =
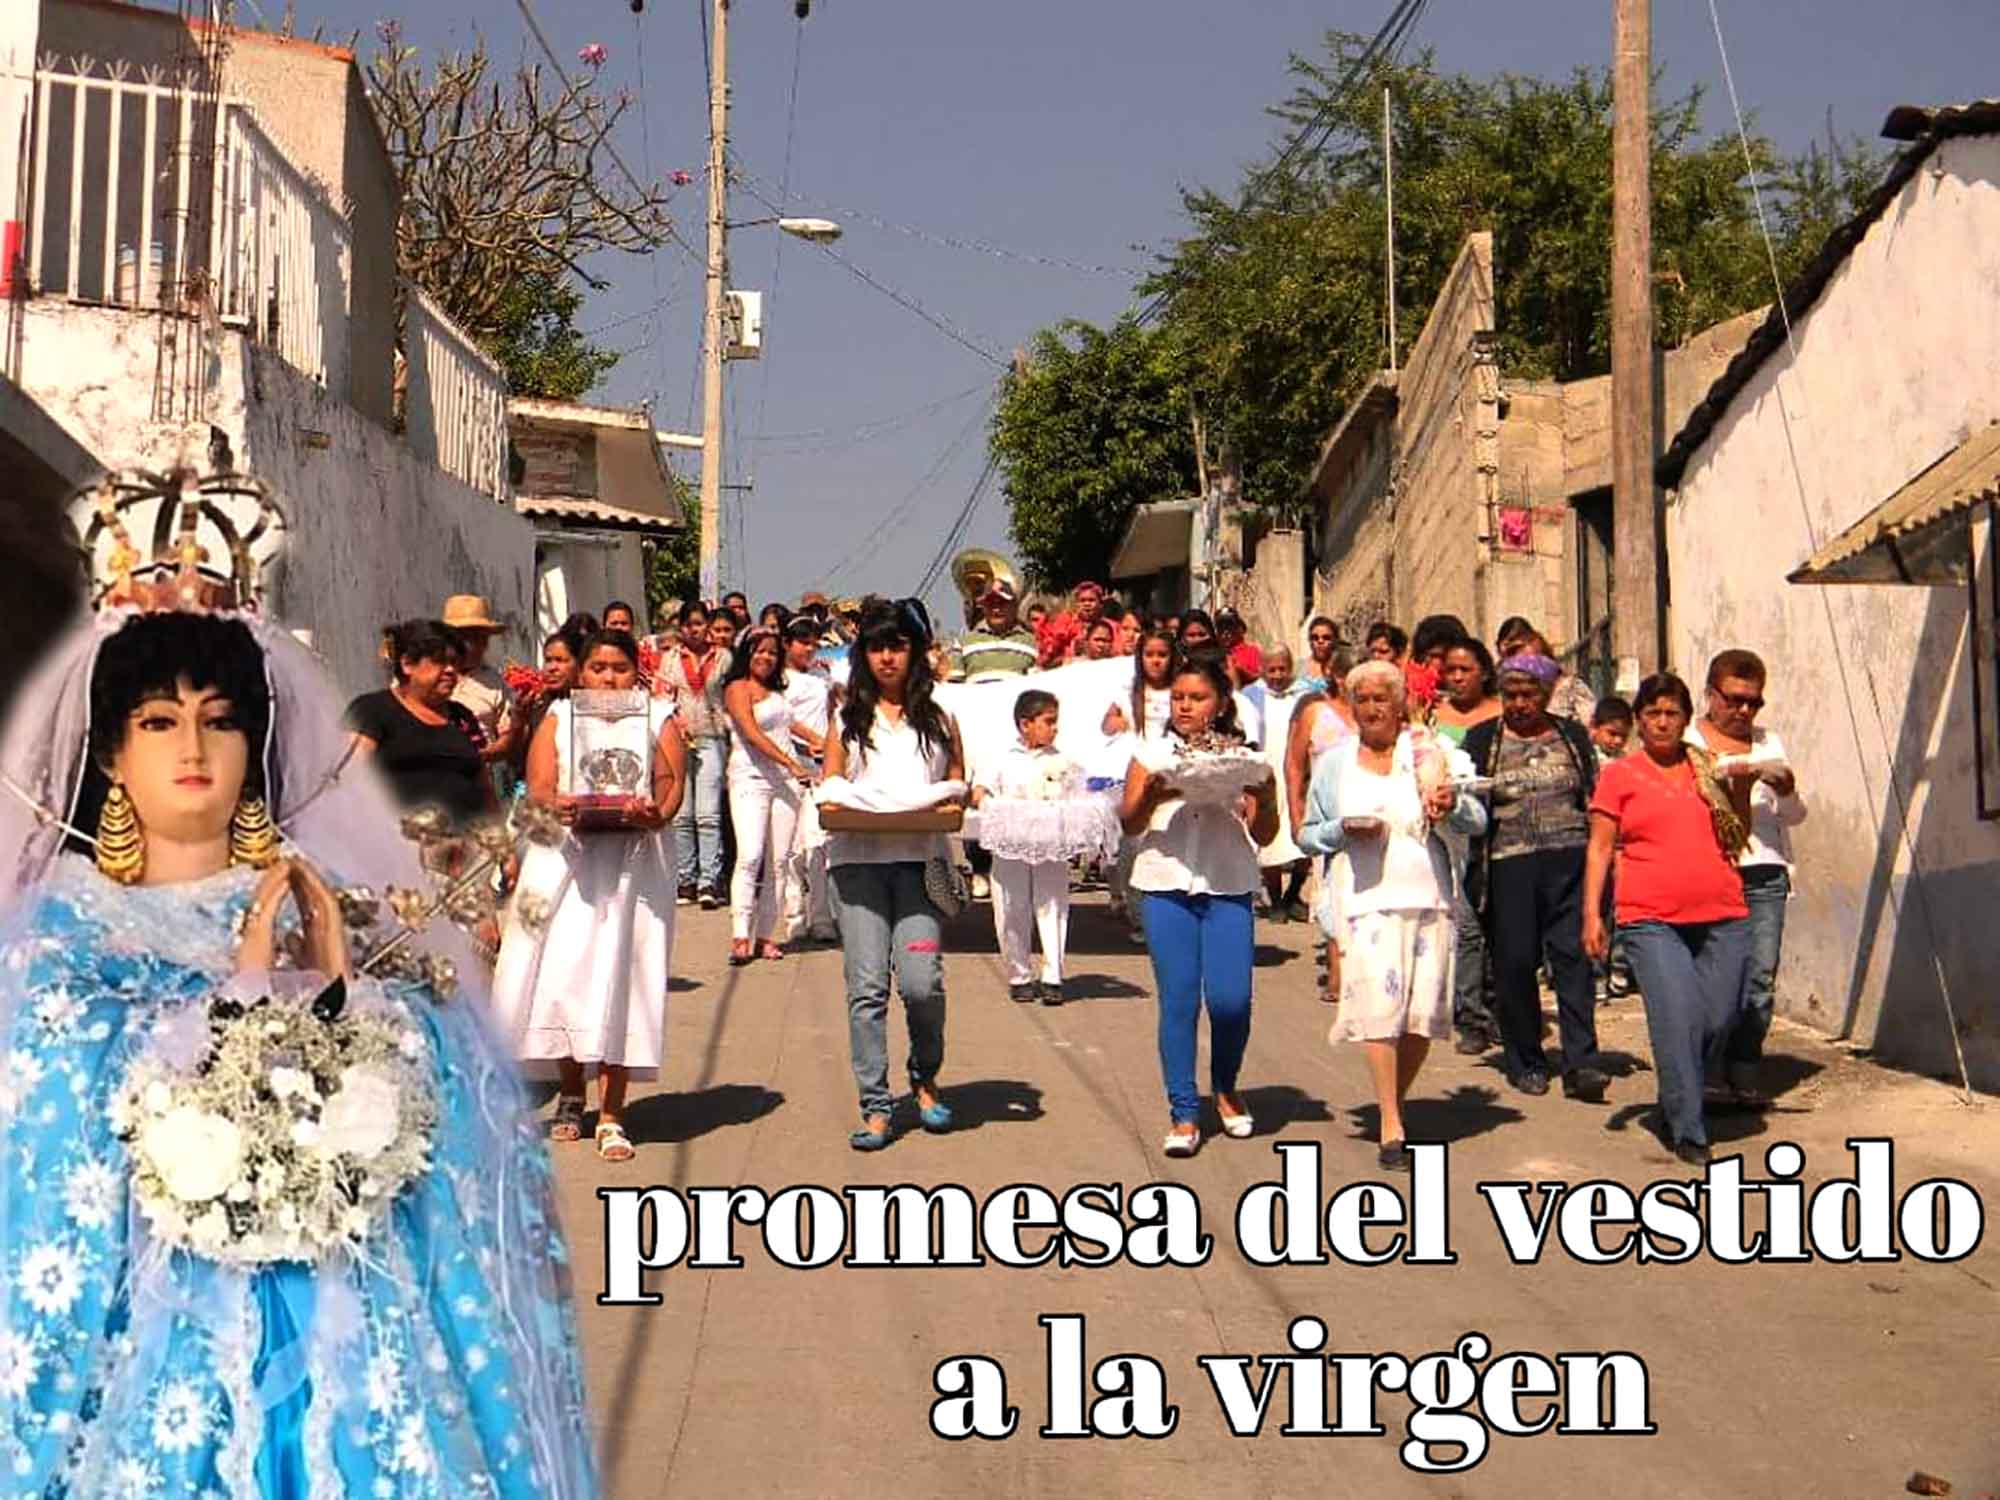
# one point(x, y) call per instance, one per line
point(872, 536)
point(959, 528)
point(977, 246)
point(942, 325)
point(1386, 42)
point(867, 431)
point(542, 41)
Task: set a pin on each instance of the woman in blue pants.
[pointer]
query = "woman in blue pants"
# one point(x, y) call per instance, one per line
point(1194, 874)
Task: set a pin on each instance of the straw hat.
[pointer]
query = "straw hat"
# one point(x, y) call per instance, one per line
point(469, 612)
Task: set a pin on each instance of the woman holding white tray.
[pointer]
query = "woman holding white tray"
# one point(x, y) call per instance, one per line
point(582, 975)
point(1199, 817)
point(894, 747)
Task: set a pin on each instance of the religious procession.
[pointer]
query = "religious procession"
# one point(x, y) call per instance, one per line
point(1427, 782)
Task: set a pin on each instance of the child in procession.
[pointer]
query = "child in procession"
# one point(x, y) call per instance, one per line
point(1194, 876)
point(1030, 895)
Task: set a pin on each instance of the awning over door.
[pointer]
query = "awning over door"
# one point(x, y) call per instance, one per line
point(1158, 538)
point(1917, 535)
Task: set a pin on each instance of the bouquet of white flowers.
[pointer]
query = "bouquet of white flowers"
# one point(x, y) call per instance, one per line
point(266, 1129)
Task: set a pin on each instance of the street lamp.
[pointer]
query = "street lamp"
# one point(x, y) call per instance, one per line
point(814, 231)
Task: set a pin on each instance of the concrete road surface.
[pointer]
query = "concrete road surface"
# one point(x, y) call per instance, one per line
point(1823, 1380)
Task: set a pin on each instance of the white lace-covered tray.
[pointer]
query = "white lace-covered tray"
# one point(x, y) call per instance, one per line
point(1216, 777)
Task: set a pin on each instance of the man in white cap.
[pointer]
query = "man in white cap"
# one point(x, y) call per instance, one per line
point(480, 688)
point(1001, 644)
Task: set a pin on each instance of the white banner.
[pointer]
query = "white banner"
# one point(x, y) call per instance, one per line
point(1083, 689)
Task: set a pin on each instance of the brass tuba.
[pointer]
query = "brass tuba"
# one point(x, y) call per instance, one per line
point(974, 571)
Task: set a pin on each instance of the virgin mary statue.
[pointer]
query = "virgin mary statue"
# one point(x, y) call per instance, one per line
point(272, 1226)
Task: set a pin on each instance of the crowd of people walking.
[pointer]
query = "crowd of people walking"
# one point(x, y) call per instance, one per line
point(1462, 825)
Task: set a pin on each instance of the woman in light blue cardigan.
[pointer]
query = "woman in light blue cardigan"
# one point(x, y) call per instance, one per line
point(1375, 813)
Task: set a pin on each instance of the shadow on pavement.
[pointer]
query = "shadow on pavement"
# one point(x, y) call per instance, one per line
point(667, 1119)
point(1277, 1106)
point(991, 1101)
point(1468, 1110)
point(1102, 987)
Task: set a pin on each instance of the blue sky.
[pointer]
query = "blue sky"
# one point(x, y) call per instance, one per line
point(1059, 129)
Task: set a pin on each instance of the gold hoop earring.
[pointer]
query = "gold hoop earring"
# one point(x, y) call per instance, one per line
point(253, 841)
point(121, 844)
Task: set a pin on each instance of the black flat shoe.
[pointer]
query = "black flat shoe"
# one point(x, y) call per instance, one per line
point(1694, 1153)
point(1471, 1044)
point(1587, 1085)
point(1394, 1157)
point(1534, 1081)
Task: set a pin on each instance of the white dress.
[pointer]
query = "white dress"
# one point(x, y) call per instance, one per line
point(1394, 930)
point(583, 959)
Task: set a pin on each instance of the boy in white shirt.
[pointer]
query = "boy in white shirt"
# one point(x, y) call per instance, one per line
point(1025, 894)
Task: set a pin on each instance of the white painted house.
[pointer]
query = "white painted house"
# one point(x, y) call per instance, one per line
point(1831, 506)
point(197, 254)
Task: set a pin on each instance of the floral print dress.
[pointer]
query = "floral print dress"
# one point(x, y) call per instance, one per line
point(441, 1362)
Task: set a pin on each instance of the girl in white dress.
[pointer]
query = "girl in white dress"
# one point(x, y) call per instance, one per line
point(582, 976)
point(764, 778)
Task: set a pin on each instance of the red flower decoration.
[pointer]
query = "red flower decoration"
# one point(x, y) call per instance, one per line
point(1420, 681)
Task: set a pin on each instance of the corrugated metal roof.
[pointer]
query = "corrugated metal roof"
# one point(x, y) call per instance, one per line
point(592, 513)
point(1909, 122)
point(1888, 545)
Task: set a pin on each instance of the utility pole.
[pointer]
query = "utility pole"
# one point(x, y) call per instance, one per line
point(711, 325)
point(1389, 195)
point(1637, 634)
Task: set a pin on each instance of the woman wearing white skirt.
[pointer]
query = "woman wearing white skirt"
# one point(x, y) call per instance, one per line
point(582, 975)
point(1376, 808)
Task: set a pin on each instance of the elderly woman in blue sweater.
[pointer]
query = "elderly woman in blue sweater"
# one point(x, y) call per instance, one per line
point(1376, 812)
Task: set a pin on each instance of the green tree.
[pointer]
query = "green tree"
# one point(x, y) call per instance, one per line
point(537, 342)
point(1271, 309)
point(1091, 427)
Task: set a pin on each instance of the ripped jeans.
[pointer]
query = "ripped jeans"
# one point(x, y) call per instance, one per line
point(887, 922)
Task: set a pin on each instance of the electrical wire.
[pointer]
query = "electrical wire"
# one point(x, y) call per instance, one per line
point(955, 536)
point(778, 256)
point(867, 431)
point(942, 325)
point(1387, 42)
point(1904, 820)
point(871, 537)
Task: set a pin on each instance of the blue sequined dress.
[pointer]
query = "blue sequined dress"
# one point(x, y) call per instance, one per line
point(444, 1368)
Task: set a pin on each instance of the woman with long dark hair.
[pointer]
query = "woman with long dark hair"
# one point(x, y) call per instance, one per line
point(1153, 664)
point(764, 777)
point(1194, 876)
point(894, 741)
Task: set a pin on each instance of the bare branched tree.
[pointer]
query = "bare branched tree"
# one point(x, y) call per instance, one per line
point(503, 181)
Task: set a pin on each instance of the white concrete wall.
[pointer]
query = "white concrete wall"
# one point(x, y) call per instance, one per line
point(586, 573)
point(376, 533)
point(1899, 362)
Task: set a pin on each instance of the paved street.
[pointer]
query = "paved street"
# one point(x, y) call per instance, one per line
point(1820, 1380)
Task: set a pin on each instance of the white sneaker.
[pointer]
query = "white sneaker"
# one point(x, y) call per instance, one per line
point(1178, 1143)
point(981, 888)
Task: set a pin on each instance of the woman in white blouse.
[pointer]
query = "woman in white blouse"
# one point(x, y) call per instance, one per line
point(764, 777)
point(1193, 873)
point(893, 740)
point(1377, 806)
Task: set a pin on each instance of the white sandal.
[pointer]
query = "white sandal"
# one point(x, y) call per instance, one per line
point(1182, 1143)
point(1236, 1127)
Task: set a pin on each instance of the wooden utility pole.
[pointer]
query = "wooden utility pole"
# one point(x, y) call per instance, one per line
point(1637, 633)
point(711, 325)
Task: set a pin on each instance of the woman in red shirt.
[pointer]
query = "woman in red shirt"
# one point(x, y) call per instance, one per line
point(1681, 913)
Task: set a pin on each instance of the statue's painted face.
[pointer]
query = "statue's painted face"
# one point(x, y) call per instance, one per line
point(183, 763)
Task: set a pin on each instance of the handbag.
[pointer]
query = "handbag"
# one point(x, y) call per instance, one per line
point(945, 886)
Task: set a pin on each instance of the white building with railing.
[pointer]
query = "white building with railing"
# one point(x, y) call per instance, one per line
point(197, 251)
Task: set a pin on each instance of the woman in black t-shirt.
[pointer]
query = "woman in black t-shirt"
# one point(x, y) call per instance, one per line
point(424, 743)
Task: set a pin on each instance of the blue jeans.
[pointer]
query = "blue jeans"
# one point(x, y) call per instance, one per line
point(698, 825)
point(1692, 977)
point(887, 921)
point(1202, 948)
point(1767, 889)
